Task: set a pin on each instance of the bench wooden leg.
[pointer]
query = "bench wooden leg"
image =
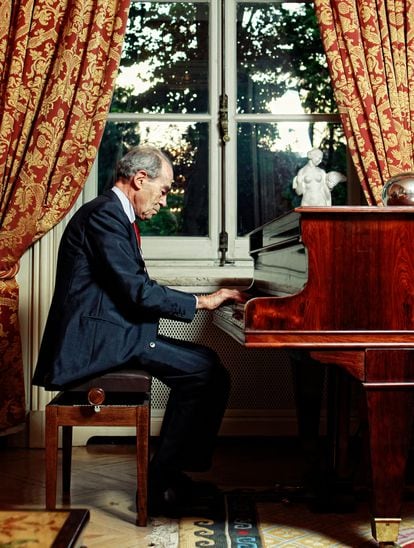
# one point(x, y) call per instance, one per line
point(142, 425)
point(51, 455)
point(66, 458)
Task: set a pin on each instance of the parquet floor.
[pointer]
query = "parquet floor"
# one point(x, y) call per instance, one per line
point(103, 481)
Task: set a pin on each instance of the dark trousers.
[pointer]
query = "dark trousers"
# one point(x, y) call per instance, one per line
point(199, 393)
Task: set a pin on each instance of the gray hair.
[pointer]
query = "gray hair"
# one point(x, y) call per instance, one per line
point(144, 157)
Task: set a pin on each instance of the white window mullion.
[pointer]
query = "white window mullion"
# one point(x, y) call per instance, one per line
point(238, 247)
point(215, 152)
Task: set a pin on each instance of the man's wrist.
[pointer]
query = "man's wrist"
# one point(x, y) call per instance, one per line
point(201, 302)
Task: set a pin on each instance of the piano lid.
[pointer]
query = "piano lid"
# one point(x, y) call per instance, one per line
point(278, 232)
point(280, 258)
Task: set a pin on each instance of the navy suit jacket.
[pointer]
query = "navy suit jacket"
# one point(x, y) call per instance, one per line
point(105, 309)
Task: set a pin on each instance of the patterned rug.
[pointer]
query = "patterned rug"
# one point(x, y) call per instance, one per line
point(253, 519)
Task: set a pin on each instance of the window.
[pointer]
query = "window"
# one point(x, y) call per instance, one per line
point(237, 92)
point(284, 107)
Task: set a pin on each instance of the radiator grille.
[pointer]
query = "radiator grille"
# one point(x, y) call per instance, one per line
point(261, 378)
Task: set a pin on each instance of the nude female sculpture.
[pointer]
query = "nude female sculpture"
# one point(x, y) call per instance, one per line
point(313, 183)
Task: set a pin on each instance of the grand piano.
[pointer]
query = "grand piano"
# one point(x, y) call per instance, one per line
point(338, 282)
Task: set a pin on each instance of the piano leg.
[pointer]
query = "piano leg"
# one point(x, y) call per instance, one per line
point(339, 395)
point(308, 383)
point(390, 419)
point(326, 479)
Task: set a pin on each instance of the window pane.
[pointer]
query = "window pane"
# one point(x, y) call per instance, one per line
point(270, 155)
point(187, 211)
point(164, 65)
point(281, 64)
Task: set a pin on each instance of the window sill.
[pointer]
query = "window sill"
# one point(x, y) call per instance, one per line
point(200, 278)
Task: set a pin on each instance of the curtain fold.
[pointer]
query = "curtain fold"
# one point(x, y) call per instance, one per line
point(58, 62)
point(370, 50)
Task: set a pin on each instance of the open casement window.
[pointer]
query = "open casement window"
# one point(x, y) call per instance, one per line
point(237, 92)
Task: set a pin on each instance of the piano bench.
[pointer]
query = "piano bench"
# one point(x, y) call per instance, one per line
point(117, 398)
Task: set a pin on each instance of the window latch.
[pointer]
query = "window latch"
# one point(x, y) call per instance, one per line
point(224, 118)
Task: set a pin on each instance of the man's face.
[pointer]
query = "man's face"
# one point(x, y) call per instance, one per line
point(152, 193)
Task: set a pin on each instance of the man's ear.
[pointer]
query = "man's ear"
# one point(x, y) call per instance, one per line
point(138, 179)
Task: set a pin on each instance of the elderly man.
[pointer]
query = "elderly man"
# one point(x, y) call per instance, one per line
point(105, 313)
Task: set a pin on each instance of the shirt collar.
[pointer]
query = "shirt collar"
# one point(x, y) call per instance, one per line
point(126, 204)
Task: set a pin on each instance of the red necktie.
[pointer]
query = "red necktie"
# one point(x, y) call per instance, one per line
point(137, 233)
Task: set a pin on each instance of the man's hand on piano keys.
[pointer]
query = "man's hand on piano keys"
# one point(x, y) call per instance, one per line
point(216, 299)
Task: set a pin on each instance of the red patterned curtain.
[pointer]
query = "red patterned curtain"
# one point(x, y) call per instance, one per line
point(370, 50)
point(58, 63)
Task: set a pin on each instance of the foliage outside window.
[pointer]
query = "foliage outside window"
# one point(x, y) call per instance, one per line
point(282, 77)
point(282, 106)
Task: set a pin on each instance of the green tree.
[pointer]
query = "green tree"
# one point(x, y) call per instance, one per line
point(278, 49)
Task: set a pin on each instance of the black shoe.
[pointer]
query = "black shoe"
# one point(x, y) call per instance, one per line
point(165, 503)
point(180, 496)
point(191, 489)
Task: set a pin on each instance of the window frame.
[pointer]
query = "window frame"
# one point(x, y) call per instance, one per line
point(193, 252)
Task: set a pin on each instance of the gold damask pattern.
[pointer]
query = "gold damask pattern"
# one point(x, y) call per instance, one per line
point(370, 50)
point(58, 63)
